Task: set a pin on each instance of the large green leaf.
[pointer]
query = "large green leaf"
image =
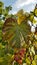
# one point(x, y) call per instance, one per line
point(12, 32)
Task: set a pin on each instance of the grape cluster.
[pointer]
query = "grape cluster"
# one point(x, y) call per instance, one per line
point(18, 57)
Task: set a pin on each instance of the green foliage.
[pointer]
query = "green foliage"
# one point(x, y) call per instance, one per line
point(32, 14)
point(12, 34)
point(4, 11)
